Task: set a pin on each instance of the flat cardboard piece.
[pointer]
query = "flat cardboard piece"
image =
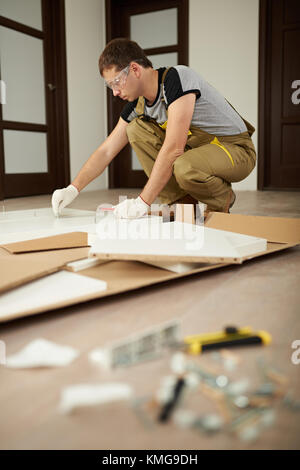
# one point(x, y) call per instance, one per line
point(56, 242)
point(16, 270)
point(273, 229)
point(123, 276)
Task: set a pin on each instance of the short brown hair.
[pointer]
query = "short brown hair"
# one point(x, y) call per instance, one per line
point(120, 52)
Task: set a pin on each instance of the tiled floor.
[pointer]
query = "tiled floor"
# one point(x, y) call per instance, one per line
point(263, 293)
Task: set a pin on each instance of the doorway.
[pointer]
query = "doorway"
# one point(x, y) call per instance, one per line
point(279, 95)
point(160, 27)
point(34, 141)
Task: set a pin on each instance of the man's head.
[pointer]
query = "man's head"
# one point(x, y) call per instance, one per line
point(120, 59)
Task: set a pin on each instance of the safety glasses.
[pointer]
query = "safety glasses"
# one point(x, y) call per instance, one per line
point(120, 80)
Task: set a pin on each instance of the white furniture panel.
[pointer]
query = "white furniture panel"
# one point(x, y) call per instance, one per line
point(46, 292)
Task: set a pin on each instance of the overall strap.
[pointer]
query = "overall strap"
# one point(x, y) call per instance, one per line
point(164, 75)
point(249, 126)
point(162, 84)
point(140, 107)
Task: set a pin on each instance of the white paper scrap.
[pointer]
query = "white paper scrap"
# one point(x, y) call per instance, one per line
point(42, 353)
point(74, 396)
point(101, 357)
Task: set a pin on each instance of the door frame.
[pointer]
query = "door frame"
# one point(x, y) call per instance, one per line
point(264, 105)
point(113, 18)
point(57, 127)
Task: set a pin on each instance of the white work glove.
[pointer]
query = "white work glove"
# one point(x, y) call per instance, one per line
point(62, 198)
point(131, 208)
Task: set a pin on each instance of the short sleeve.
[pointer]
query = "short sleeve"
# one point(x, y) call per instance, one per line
point(128, 112)
point(180, 81)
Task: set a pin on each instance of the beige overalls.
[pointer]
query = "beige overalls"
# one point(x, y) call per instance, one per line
point(208, 165)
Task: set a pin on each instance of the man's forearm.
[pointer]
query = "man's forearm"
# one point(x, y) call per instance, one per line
point(161, 173)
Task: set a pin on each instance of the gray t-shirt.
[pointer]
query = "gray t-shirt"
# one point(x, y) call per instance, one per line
point(212, 113)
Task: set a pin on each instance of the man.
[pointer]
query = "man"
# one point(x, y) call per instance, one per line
point(189, 140)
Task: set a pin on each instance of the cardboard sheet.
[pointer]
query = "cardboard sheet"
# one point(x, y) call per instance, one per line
point(16, 270)
point(273, 229)
point(56, 242)
point(120, 276)
point(123, 276)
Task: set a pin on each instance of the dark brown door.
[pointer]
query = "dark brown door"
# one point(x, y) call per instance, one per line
point(34, 148)
point(279, 103)
point(161, 29)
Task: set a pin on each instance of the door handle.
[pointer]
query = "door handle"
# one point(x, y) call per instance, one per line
point(51, 86)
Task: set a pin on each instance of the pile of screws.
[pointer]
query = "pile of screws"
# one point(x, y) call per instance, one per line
point(240, 411)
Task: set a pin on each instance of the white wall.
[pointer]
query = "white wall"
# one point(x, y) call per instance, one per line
point(85, 37)
point(223, 37)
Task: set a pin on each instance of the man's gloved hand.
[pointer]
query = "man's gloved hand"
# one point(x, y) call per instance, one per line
point(62, 198)
point(131, 208)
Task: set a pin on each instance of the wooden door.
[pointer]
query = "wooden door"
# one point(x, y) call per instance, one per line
point(142, 22)
point(279, 97)
point(34, 147)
